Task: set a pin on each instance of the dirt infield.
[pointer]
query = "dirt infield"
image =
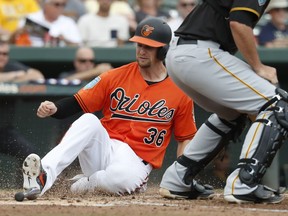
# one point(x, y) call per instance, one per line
point(59, 201)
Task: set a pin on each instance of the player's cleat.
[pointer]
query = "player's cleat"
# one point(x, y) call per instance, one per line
point(262, 194)
point(34, 176)
point(198, 192)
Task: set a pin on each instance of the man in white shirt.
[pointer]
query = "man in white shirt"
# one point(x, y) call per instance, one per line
point(103, 29)
point(62, 28)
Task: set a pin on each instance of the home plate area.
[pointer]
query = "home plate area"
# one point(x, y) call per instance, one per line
point(59, 201)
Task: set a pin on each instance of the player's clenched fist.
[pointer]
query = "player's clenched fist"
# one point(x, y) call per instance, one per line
point(46, 108)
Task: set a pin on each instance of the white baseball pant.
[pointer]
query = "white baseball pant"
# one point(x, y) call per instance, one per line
point(114, 165)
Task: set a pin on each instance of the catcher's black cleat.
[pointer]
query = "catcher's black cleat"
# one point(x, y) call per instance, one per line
point(262, 194)
point(198, 192)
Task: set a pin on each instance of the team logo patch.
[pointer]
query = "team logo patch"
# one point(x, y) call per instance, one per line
point(261, 2)
point(146, 30)
point(92, 83)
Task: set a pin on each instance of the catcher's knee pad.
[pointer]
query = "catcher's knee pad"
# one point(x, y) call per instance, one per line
point(275, 131)
point(194, 167)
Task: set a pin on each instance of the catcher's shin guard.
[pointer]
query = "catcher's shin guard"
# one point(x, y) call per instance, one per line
point(194, 167)
point(275, 131)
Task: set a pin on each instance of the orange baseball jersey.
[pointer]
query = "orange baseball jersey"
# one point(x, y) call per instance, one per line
point(139, 114)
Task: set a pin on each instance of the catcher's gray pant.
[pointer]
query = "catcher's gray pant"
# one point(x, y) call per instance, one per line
point(225, 85)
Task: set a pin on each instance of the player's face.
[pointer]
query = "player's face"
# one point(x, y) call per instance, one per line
point(145, 55)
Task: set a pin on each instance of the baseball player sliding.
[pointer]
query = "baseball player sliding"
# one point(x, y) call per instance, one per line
point(201, 61)
point(141, 106)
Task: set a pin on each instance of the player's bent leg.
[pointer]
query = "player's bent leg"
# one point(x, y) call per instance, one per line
point(178, 180)
point(82, 135)
point(115, 180)
point(125, 173)
point(269, 131)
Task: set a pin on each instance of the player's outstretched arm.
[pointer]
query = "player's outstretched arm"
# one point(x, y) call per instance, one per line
point(46, 108)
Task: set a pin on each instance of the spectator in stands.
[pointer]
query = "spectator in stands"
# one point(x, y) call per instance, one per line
point(91, 6)
point(11, 141)
point(145, 8)
point(56, 28)
point(13, 71)
point(103, 29)
point(74, 9)
point(184, 7)
point(11, 14)
point(122, 7)
point(119, 7)
point(275, 32)
point(85, 68)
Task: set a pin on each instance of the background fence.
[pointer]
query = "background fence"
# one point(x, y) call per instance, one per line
point(18, 103)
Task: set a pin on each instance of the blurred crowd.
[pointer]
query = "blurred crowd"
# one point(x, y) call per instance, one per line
point(86, 24)
point(110, 23)
point(83, 24)
point(94, 23)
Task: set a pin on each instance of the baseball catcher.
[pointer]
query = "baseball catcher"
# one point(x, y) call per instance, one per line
point(201, 61)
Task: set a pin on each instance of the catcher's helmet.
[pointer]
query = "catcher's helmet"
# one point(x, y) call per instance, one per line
point(153, 32)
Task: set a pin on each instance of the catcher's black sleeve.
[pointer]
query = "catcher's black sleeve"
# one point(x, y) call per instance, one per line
point(66, 107)
point(243, 17)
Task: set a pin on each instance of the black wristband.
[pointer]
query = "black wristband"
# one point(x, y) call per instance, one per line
point(66, 107)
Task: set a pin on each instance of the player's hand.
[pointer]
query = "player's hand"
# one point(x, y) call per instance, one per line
point(46, 108)
point(268, 73)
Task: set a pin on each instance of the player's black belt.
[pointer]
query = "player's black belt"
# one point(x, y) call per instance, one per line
point(145, 162)
point(186, 41)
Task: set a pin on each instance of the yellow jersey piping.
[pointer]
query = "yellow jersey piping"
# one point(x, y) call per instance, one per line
point(245, 9)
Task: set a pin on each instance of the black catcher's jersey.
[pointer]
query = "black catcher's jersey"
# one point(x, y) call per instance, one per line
point(200, 23)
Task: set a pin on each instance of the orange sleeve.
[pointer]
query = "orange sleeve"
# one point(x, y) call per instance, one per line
point(92, 97)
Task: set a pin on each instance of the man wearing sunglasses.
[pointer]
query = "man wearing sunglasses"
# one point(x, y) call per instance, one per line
point(11, 141)
point(14, 71)
point(85, 68)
